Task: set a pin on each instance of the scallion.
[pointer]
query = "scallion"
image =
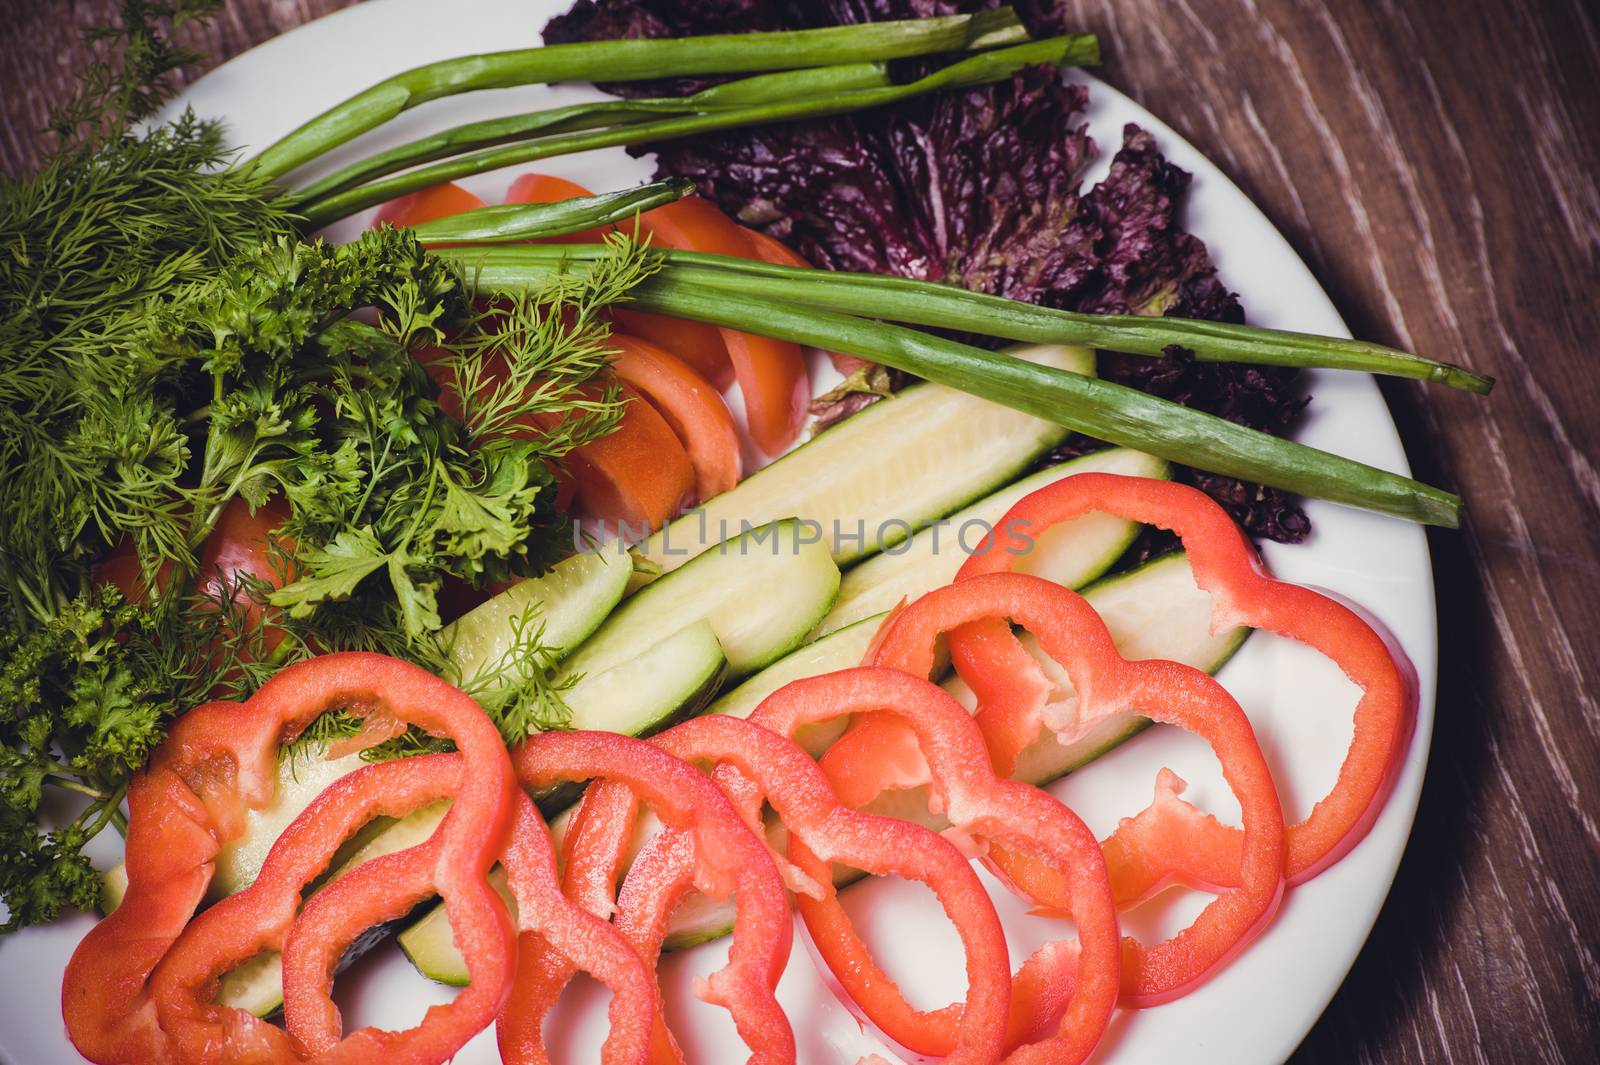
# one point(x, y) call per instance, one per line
point(632, 60)
point(1101, 409)
point(979, 69)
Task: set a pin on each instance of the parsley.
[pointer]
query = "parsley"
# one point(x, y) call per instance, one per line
point(291, 370)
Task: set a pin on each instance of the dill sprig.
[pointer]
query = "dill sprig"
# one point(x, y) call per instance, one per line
point(129, 77)
point(293, 371)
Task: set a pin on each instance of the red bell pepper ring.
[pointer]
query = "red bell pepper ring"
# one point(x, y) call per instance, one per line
point(1106, 684)
point(756, 765)
point(939, 744)
point(334, 917)
point(731, 859)
point(594, 856)
point(218, 761)
point(261, 918)
point(1226, 566)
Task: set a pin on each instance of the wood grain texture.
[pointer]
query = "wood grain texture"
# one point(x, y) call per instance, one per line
point(1435, 164)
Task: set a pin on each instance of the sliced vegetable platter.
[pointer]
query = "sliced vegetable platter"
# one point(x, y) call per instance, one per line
point(1258, 1008)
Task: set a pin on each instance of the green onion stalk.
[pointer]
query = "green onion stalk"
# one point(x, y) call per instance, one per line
point(528, 221)
point(941, 306)
point(791, 105)
point(489, 132)
point(632, 60)
point(1101, 409)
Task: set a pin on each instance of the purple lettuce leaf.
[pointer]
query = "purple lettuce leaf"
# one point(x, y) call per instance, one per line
point(981, 188)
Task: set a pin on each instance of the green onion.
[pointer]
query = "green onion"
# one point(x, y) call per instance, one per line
point(980, 69)
point(526, 221)
point(632, 60)
point(763, 88)
point(1101, 409)
point(926, 303)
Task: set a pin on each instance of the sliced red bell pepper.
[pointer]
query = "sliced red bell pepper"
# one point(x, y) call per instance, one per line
point(1106, 684)
point(691, 407)
point(1226, 566)
point(940, 745)
point(597, 843)
point(771, 373)
point(553, 924)
point(333, 918)
point(731, 859)
point(218, 761)
point(756, 766)
point(262, 917)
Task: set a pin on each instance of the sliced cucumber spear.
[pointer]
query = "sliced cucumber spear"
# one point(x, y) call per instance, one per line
point(1072, 553)
point(569, 603)
point(762, 591)
point(1154, 611)
point(868, 482)
point(840, 649)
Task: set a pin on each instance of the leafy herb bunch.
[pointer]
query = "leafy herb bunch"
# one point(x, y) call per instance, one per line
point(169, 348)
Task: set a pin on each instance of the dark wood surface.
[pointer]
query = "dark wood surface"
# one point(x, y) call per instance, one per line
point(1436, 163)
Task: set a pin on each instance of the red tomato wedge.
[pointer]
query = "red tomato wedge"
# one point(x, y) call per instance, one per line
point(691, 407)
point(237, 548)
point(546, 188)
point(774, 251)
point(696, 343)
point(637, 474)
point(771, 373)
point(440, 201)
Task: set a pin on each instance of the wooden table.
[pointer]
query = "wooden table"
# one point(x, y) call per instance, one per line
point(1435, 162)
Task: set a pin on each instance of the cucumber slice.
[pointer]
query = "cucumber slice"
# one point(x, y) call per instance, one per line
point(569, 602)
point(670, 680)
point(896, 465)
point(1072, 553)
point(1154, 611)
point(838, 650)
point(762, 591)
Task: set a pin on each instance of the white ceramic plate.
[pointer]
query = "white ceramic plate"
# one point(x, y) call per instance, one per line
point(1253, 1013)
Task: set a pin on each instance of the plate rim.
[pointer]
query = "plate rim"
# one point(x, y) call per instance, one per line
point(1407, 789)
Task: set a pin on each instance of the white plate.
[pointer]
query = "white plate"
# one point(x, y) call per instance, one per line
point(1261, 1006)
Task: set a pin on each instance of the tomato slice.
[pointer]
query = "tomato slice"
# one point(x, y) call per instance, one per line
point(691, 407)
point(547, 188)
point(638, 474)
point(237, 548)
point(696, 343)
point(771, 373)
point(774, 251)
point(439, 201)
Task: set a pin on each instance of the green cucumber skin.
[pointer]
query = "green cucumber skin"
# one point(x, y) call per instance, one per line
point(1021, 445)
point(575, 596)
point(776, 551)
point(840, 649)
point(866, 580)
